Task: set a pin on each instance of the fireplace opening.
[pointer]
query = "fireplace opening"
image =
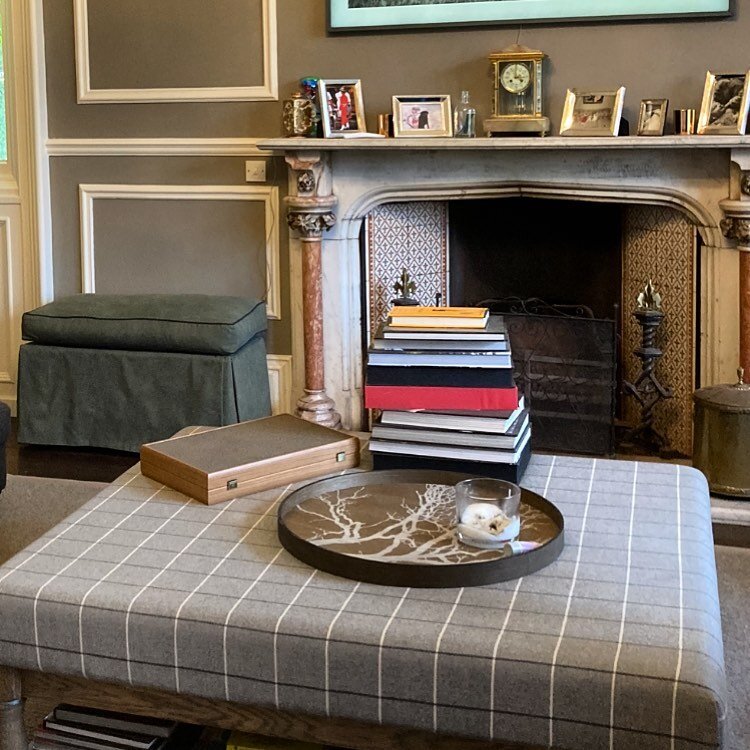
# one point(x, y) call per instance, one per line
point(582, 261)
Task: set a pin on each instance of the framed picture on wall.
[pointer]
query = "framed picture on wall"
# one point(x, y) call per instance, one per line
point(420, 116)
point(652, 116)
point(361, 15)
point(724, 107)
point(592, 113)
point(341, 107)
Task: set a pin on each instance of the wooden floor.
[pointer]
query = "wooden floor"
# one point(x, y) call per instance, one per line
point(89, 464)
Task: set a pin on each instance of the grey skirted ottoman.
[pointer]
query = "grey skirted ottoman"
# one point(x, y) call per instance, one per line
point(116, 371)
point(4, 433)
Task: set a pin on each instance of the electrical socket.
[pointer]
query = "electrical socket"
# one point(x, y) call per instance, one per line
point(255, 170)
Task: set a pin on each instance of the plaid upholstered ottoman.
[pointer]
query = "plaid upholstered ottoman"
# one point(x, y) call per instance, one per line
point(163, 605)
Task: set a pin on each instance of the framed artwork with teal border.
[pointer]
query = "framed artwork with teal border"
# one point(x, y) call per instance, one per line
point(363, 15)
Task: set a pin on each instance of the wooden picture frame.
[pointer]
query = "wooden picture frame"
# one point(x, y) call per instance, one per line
point(652, 117)
point(592, 113)
point(342, 108)
point(365, 15)
point(422, 116)
point(725, 104)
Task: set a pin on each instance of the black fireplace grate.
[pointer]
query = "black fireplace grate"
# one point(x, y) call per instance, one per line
point(565, 364)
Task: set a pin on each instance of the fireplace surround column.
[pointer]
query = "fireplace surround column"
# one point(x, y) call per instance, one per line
point(736, 227)
point(310, 214)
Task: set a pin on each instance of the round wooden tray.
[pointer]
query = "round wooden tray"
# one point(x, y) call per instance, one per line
point(397, 528)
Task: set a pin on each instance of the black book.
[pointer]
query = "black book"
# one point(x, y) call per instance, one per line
point(54, 738)
point(509, 472)
point(106, 737)
point(114, 720)
point(463, 377)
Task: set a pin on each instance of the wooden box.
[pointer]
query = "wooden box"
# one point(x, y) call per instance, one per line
point(240, 459)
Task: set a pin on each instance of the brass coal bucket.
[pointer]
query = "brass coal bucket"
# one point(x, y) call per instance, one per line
point(721, 444)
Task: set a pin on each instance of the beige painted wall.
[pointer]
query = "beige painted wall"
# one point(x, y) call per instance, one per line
point(659, 59)
point(664, 59)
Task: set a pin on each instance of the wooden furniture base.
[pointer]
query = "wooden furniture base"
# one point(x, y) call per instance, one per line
point(42, 692)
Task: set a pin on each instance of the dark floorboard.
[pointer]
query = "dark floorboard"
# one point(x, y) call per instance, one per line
point(88, 464)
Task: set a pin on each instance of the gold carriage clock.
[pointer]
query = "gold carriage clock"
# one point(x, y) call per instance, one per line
point(517, 100)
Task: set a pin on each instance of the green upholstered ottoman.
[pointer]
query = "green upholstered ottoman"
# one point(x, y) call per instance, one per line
point(116, 371)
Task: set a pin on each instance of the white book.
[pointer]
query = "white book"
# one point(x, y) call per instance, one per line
point(457, 452)
point(468, 439)
point(451, 419)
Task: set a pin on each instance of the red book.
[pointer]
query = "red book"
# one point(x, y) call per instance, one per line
point(433, 397)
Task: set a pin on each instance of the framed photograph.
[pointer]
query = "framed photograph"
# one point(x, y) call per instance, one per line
point(422, 116)
point(652, 116)
point(724, 107)
point(592, 113)
point(362, 15)
point(341, 108)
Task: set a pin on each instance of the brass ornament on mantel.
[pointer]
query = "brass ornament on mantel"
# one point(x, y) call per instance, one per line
point(518, 74)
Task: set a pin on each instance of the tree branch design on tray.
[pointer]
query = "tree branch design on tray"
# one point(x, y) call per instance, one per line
point(414, 524)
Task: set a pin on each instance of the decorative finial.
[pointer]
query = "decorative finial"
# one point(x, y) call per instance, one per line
point(405, 286)
point(649, 298)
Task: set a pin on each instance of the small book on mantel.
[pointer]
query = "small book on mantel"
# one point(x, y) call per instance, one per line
point(438, 317)
point(225, 462)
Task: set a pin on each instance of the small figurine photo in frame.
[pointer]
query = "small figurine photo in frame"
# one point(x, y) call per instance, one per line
point(652, 116)
point(592, 113)
point(724, 107)
point(421, 116)
point(341, 107)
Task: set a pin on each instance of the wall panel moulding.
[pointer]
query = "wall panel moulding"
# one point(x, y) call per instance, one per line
point(267, 90)
point(267, 194)
point(154, 147)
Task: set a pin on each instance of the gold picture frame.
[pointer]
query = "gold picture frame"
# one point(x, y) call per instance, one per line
point(592, 113)
point(724, 105)
point(342, 108)
point(422, 116)
point(652, 117)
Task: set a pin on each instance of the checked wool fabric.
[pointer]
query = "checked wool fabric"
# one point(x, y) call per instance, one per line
point(615, 645)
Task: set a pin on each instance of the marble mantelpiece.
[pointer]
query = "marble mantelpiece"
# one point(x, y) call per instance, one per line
point(699, 175)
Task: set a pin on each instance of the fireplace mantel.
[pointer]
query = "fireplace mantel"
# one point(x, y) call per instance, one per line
point(337, 182)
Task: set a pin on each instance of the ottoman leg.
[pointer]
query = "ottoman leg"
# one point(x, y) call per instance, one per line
point(12, 732)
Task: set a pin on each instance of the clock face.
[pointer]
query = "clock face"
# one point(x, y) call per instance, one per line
point(515, 78)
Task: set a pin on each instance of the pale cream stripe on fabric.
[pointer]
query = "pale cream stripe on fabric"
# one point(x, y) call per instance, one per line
point(328, 643)
point(680, 637)
point(67, 528)
point(73, 562)
point(567, 607)
point(507, 618)
point(624, 614)
point(435, 662)
point(276, 637)
point(231, 612)
point(272, 505)
point(117, 567)
point(494, 657)
point(380, 653)
point(153, 580)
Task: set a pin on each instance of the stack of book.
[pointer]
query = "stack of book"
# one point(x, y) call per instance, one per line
point(77, 728)
point(443, 378)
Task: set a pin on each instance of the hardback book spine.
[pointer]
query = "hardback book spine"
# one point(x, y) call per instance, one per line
point(508, 472)
point(462, 377)
point(416, 397)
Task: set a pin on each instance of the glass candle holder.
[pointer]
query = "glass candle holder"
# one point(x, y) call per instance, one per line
point(487, 512)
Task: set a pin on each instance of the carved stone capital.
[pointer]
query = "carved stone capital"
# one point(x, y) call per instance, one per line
point(735, 225)
point(311, 224)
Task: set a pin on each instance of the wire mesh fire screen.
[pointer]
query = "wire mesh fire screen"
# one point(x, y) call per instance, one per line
point(565, 364)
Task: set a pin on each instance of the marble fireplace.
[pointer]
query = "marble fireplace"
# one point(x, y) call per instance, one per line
point(336, 184)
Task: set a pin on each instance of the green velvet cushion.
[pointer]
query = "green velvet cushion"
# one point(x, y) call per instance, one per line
point(196, 323)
